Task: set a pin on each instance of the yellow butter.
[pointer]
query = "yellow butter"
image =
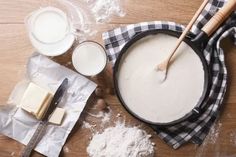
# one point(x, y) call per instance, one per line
point(44, 107)
point(57, 116)
point(34, 100)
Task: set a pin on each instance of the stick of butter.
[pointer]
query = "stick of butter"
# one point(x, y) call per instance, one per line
point(36, 100)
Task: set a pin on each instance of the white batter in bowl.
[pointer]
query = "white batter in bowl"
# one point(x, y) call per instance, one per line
point(145, 95)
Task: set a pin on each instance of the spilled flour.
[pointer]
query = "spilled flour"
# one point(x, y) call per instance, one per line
point(103, 9)
point(214, 133)
point(211, 142)
point(88, 125)
point(233, 138)
point(121, 141)
point(104, 116)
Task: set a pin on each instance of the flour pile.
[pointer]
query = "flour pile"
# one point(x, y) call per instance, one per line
point(121, 141)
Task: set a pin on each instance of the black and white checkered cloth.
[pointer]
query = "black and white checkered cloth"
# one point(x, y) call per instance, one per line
point(189, 130)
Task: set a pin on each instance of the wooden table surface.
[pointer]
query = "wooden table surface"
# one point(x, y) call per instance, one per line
point(15, 48)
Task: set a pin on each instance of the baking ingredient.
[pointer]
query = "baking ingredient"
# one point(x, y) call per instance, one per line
point(213, 142)
point(232, 137)
point(104, 115)
point(44, 107)
point(57, 116)
point(145, 95)
point(50, 31)
point(121, 141)
point(88, 125)
point(89, 58)
point(101, 104)
point(36, 100)
point(48, 74)
point(49, 25)
point(103, 9)
point(83, 13)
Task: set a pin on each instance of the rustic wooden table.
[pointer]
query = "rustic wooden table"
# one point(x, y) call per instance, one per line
point(15, 48)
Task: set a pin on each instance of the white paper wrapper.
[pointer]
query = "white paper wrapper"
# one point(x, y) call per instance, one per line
point(19, 125)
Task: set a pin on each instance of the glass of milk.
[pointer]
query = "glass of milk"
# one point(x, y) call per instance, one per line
point(89, 58)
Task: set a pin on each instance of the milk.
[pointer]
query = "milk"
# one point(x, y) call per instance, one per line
point(89, 58)
point(148, 97)
point(50, 31)
point(50, 26)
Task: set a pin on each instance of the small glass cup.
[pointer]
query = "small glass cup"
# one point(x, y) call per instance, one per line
point(89, 58)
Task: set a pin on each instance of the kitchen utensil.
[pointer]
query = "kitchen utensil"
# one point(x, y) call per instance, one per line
point(44, 122)
point(197, 44)
point(163, 66)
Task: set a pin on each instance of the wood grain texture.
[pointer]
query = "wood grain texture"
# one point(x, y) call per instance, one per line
point(15, 48)
point(181, 11)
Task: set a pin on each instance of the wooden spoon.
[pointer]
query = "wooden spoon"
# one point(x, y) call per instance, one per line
point(163, 66)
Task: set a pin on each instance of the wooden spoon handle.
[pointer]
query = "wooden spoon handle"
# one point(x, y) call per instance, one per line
point(163, 66)
point(189, 26)
point(219, 17)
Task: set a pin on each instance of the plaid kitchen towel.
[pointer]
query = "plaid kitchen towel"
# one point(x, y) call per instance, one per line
point(189, 130)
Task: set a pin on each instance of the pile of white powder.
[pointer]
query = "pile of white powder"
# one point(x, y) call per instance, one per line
point(121, 141)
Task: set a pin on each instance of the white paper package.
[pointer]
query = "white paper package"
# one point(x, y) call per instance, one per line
point(19, 125)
